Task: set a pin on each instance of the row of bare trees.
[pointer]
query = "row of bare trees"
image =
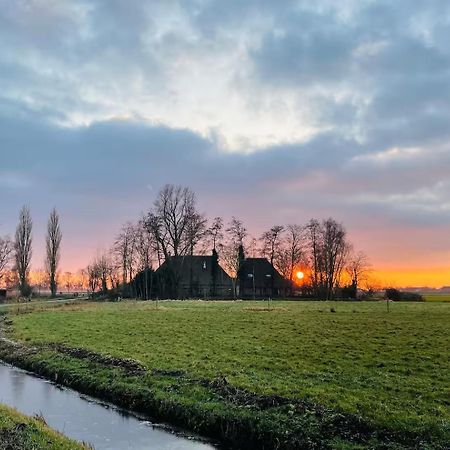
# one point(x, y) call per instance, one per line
point(175, 227)
point(15, 255)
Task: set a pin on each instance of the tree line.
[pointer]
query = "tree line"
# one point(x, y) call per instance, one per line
point(15, 254)
point(174, 226)
point(318, 249)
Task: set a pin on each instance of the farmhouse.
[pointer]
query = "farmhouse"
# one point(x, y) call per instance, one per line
point(257, 277)
point(192, 276)
point(201, 276)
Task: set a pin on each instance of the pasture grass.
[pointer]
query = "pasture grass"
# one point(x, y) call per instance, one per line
point(18, 432)
point(435, 297)
point(390, 368)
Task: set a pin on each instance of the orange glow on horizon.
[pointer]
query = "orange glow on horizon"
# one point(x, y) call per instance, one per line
point(434, 278)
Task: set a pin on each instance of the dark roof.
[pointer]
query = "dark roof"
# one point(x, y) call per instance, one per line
point(200, 268)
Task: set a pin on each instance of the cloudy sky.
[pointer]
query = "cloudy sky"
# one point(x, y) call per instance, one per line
point(272, 111)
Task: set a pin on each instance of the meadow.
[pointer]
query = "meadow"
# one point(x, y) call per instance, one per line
point(390, 368)
point(437, 297)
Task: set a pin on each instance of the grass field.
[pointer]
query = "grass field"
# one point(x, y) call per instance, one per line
point(24, 433)
point(392, 368)
point(437, 297)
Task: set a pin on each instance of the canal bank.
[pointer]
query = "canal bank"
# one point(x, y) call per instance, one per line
point(85, 419)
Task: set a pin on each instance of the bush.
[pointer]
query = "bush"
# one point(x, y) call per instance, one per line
point(398, 296)
point(412, 297)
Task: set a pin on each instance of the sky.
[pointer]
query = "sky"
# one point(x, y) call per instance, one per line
point(274, 112)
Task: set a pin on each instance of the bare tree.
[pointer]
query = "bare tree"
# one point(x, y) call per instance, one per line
point(104, 270)
point(315, 254)
point(232, 250)
point(236, 232)
point(328, 252)
point(83, 280)
point(171, 220)
point(68, 281)
point(53, 247)
point(215, 232)
point(6, 255)
point(99, 273)
point(252, 247)
point(145, 246)
point(23, 249)
point(113, 267)
point(271, 240)
point(124, 247)
point(196, 230)
point(94, 276)
point(291, 254)
point(357, 268)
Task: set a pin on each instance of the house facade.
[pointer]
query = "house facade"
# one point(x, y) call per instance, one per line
point(258, 278)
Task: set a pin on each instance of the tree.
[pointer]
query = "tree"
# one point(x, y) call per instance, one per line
point(23, 249)
point(232, 250)
point(271, 247)
point(170, 220)
point(124, 247)
point(291, 254)
point(6, 256)
point(357, 268)
point(315, 256)
point(328, 249)
point(215, 232)
point(270, 241)
point(99, 273)
point(53, 247)
point(145, 246)
point(68, 281)
point(94, 276)
point(176, 225)
point(334, 252)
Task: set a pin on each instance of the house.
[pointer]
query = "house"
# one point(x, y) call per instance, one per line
point(192, 276)
point(258, 278)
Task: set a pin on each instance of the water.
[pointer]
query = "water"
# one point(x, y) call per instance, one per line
point(82, 418)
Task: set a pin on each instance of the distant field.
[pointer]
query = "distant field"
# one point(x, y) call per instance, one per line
point(391, 367)
point(437, 297)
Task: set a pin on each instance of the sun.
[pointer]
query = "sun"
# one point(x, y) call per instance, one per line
point(300, 275)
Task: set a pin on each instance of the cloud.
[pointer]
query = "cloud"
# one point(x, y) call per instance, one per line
point(274, 111)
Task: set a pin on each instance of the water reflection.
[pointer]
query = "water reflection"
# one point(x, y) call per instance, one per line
point(82, 418)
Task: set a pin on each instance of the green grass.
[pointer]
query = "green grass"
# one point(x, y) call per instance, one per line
point(437, 297)
point(390, 368)
point(24, 433)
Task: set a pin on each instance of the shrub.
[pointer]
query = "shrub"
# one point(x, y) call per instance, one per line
point(396, 295)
